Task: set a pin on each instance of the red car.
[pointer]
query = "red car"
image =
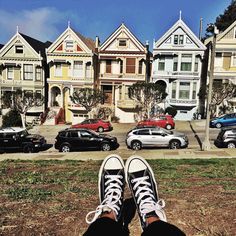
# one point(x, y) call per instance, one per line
point(95, 124)
point(164, 121)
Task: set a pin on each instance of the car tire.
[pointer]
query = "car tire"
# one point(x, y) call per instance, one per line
point(136, 145)
point(28, 149)
point(65, 148)
point(231, 145)
point(218, 125)
point(100, 129)
point(105, 147)
point(174, 144)
point(169, 127)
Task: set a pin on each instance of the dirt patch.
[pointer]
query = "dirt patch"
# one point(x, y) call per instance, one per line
point(53, 197)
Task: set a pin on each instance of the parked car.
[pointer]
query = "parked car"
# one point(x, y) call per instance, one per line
point(18, 139)
point(226, 138)
point(72, 139)
point(225, 120)
point(164, 121)
point(138, 138)
point(95, 124)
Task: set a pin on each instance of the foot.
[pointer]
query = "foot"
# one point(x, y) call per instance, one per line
point(111, 183)
point(142, 184)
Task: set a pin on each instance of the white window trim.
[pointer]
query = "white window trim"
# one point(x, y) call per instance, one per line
point(55, 71)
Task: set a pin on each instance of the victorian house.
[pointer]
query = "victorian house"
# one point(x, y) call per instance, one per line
point(225, 58)
point(123, 61)
point(23, 66)
point(72, 60)
point(177, 63)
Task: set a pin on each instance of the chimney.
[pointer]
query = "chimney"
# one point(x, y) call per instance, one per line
point(97, 42)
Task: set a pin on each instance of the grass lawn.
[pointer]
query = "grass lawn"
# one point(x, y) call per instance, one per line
point(53, 197)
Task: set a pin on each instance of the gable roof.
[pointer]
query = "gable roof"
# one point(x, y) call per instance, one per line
point(87, 42)
point(137, 42)
point(180, 23)
point(37, 45)
point(222, 34)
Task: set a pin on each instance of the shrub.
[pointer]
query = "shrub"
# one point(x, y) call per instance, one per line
point(115, 119)
point(12, 118)
point(171, 111)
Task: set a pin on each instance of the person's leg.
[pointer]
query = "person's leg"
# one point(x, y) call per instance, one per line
point(142, 184)
point(111, 183)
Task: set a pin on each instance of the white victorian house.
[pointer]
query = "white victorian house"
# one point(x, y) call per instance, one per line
point(177, 63)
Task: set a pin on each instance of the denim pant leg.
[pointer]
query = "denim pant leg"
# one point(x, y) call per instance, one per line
point(105, 227)
point(161, 228)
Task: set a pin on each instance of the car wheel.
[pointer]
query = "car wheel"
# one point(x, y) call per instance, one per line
point(218, 125)
point(136, 145)
point(65, 148)
point(100, 129)
point(28, 149)
point(231, 145)
point(106, 147)
point(168, 127)
point(174, 144)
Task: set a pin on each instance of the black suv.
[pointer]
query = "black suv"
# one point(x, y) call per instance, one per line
point(72, 139)
point(18, 139)
point(226, 138)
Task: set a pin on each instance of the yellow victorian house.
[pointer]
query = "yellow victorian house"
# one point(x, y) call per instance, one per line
point(72, 65)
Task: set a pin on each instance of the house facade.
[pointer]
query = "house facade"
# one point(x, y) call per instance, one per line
point(72, 60)
point(225, 58)
point(23, 66)
point(123, 61)
point(177, 63)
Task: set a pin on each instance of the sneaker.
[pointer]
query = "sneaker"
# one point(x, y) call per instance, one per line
point(142, 184)
point(111, 183)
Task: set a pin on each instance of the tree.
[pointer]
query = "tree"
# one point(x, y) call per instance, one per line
point(224, 20)
point(147, 95)
point(88, 98)
point(22, 101)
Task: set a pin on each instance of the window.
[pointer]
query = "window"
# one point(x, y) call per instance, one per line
point(85, 134)
point(38, 74)
point(28, 72)
point(78, 69)
point(194, 90)
point(10, 73)
point(184, 90)
point(120, 92)
point(122, 43)
point(58, 70)
point(74, 134)
point(140, 67)
point(143, 132)
point(130, 65)
point(173, 90)
point(186, 62)
point(88, 69)
point(175, 63)
point(121, 67)
point(108, 66)
point(69, 45)
point(235, 32)
point(127, 92)
point(196, 64)
point(234, 59)
point(178, 39)
point(218, 54)
point(161, 64)
point(19, 49)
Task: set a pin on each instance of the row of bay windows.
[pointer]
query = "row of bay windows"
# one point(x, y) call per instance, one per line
point(128, 66)
point(183, 62)
point(27, 72)
point(78, 69)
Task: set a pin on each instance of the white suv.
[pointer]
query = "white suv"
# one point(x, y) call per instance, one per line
point(138, 138)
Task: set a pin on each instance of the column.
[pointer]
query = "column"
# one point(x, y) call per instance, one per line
point(179, 62)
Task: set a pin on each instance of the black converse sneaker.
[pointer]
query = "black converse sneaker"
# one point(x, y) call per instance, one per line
point(111, 183)
point(142, 184)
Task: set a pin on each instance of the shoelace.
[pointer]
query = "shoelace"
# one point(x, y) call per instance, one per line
point(146, 199)
point(113, 193)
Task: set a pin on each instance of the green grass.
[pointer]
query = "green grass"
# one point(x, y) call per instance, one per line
point(43, 180)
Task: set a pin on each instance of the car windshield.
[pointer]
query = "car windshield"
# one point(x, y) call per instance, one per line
point(94, 132)
point(166, 131)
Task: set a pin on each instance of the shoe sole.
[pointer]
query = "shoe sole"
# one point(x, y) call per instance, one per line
point(102, 167)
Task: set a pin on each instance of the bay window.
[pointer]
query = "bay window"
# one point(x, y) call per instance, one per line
point(186, 62)
point(184, 90)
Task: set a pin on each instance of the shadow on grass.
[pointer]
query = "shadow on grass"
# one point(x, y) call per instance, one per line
point(196, 135)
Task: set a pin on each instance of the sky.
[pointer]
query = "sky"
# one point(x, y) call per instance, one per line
point(147, 19)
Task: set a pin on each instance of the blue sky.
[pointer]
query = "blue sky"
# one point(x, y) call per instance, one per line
point(147, 19)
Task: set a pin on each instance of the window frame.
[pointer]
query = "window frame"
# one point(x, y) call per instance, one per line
point(28, 74)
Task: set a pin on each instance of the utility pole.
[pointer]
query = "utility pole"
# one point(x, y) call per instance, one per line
point(206, 143)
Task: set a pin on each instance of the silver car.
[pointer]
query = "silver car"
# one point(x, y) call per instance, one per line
point(138, 138)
